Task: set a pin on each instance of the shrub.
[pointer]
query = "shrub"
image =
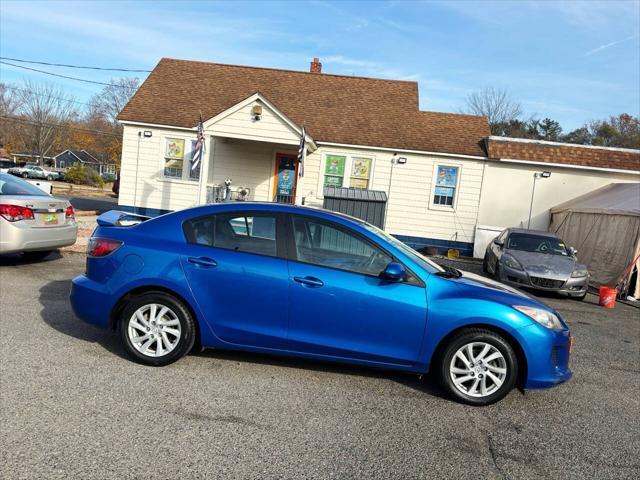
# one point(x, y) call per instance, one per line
point(81, 175)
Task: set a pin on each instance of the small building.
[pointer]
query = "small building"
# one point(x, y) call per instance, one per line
point(99, 163)
point(22, 158)
point(444, 176)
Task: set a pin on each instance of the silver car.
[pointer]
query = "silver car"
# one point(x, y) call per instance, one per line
point(536, 259)
point(32, 222)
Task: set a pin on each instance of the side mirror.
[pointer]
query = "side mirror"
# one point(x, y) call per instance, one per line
point(395, 272)
point(572, 251)
point(499, 243)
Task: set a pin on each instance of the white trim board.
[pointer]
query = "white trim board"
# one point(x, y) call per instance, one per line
point(400, 150)
point(564, 165)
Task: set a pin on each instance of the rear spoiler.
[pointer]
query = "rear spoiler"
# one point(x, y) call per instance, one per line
point(118, 218)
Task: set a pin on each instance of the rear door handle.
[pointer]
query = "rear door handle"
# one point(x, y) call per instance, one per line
point(203, 261)
point(309, 281)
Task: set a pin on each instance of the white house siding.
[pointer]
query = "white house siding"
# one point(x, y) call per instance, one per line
point(152, 192)
point(241, 124)
point(506, 191)
point(247, 164)
point(410, 212)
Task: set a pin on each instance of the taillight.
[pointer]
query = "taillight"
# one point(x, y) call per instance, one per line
point(14, 213)
point(101, 247)
point(70, 213)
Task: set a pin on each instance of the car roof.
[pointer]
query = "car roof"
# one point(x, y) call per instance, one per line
point(541, 233)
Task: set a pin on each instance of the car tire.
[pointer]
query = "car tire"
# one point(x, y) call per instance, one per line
point(488, 381)
point(173, 333)
point(25, 175)
point(36, 255)
point(49, 177)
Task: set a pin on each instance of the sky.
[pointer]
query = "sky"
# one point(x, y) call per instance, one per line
point(570, 61)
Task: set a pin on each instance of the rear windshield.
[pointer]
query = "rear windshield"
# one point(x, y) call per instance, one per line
point(537, 243)
point(10, 185)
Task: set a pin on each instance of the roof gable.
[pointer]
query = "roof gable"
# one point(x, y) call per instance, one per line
point(333, 108)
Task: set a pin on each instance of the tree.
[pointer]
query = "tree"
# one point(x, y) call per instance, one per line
point(549, 130)
point(621, 131)
point(580, 136)
point(495, 104)
point(9, 105)
point(113, 98)
point(44, 111)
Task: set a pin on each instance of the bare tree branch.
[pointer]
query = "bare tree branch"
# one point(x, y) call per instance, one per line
point(495, 104)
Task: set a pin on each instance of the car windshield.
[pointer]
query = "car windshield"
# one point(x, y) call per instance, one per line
point(420, 259)
point(537, 243)
point(10, 185)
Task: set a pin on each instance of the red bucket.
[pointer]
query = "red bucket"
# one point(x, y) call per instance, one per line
point(608, 297)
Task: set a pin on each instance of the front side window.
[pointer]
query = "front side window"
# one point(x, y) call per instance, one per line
point(178, 159)
point(323, 244)
point(446, 183)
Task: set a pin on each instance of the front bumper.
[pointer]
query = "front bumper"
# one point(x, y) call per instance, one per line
point(547, 355)
point(17, 237)
point(520, 278)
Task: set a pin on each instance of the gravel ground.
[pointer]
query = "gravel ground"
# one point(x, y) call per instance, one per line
point(73, 406)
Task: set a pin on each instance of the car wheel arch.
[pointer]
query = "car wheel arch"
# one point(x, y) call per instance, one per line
point(120, 305)
point(513, 342)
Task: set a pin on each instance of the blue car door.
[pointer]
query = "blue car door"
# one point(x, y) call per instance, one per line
point(237, 272)
point(340, 307)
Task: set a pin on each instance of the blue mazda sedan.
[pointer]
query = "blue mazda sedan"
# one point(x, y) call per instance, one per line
point(309, 283)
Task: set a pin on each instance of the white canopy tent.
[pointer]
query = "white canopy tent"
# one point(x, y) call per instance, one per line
point(604, 226)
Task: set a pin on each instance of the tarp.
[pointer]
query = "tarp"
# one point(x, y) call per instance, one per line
point(604, 226)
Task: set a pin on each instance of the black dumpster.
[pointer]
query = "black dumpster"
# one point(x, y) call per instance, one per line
point(368, 205)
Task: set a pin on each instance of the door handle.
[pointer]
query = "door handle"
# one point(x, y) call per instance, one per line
point(203, 261)
point(309, 281)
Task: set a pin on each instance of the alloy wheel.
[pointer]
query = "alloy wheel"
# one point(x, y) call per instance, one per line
point(478, 369)
point(154, 330)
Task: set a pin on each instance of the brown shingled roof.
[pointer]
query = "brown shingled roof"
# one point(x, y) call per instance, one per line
point(333, 108)
point(563, 153)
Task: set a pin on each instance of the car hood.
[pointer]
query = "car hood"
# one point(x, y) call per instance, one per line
point(545, 265)
point(473, 280)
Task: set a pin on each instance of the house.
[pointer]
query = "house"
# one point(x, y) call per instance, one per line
point(441, 171)
point(68, 158)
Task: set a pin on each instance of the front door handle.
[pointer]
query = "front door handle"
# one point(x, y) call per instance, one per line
point(309, 281)
point(203, 261)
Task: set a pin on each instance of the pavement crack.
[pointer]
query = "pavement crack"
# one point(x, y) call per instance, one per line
point(494, 457)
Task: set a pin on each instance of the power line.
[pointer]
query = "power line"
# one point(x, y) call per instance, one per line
point(63, 76)
point(10, 87)
point(30, 122)
point(75, 66)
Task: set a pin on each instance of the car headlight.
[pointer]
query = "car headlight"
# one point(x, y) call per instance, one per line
point(511, 262)
point(543, 317)
point(580, 272)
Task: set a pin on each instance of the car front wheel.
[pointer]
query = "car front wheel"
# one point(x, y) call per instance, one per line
point(157, 329)
point(478, 367)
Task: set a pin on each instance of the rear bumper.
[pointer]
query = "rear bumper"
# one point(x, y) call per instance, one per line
point(518, 278)
point(90, 302)
point(15, 238)
point(547, 355)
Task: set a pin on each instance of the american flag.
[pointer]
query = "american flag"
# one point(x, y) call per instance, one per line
point(302, 153)
point(198, 148)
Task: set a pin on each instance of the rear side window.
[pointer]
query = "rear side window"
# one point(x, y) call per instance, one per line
point(241, 233)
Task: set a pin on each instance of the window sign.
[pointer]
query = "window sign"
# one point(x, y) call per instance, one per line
point(446, 184)
point(178, 161)
point(334, 170)
point(286, 177)
point(360, 171)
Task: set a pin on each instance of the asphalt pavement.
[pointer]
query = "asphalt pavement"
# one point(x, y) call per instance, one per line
point(72, 405)
point(99, 204)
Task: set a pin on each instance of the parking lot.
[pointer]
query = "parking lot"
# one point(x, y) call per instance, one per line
point(73, 406)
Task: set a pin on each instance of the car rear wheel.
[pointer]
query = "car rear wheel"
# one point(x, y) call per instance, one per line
point(157, 329)
point(25, 175)
point(478, 367)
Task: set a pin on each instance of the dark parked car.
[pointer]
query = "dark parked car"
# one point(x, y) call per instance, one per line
point(310, 283)
point(536, 259)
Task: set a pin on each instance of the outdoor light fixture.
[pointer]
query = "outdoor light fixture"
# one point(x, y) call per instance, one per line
point(401, 160)
point(536, 176)
point(148, 134)
point(256, 112)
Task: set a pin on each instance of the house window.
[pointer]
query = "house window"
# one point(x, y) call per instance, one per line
point(358, 168)
point(334, 170)
point(360, 171)
point(178, 159)
point(61, 163)
point(446, 183)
